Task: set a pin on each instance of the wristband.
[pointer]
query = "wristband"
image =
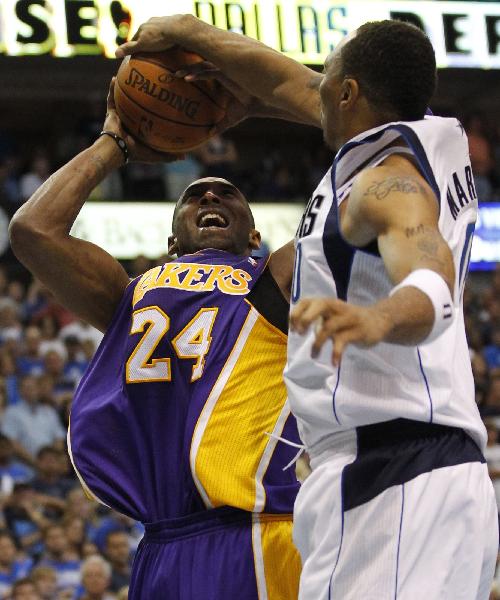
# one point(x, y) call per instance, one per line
point(120, 142)
point(434, 287)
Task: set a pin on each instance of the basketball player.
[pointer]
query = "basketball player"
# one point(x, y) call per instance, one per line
point(399, 503)
point(169, 423)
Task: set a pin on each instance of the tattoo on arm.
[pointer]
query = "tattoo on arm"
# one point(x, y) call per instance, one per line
point(403, 185)
point(429, 243)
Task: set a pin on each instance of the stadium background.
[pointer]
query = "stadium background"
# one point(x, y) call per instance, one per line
point(55, 67)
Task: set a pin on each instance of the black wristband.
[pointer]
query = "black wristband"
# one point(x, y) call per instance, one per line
point(120, 142)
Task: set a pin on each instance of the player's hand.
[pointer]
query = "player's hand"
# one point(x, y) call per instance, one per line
point(137, 152)
point(155, 35)
point(241, 104)
point(340, 322)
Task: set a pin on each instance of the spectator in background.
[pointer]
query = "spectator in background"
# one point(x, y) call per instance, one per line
point(78, 505)
point(25, 519)
point(16, 291)
point(492, 351)
point(83, 332)
point(96, 579)
point(481, 156)
point(39, 171)
point(56, 556)
point(45, 580)
point(31, 425)
point(30, 362)
point(54, 363)
point(218, 157)
point(12, 566)
point(76, 362)
point(25, 589)
point(76, 536)
point(49, 479)
point(11, 471)
point(10, 324)
point(117, 552)
point(116, 521)
point(9, 378)
point(492, 401)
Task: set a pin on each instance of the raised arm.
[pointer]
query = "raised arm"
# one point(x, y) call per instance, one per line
point(82, 276)
point(278, 81)
point(394, 205)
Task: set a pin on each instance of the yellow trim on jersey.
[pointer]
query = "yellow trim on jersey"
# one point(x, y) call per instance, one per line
point(251, 402)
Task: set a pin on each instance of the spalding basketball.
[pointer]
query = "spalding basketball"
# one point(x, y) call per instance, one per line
point(166, 113)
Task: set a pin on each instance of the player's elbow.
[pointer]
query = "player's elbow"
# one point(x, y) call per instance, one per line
point(25, 237)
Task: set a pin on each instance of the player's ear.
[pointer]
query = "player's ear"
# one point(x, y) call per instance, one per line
point(172, 245)
point(349, 93)
point(254, 239)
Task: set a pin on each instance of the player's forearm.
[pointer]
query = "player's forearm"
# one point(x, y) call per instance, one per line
point(408, 316)
point(272, 77)
point(54, 207)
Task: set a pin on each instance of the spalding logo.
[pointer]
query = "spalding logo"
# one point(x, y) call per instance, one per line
point(186, 106)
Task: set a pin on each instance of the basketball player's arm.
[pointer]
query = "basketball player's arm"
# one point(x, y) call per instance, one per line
point(82, 276)
point(278, 81)
point(393, 205)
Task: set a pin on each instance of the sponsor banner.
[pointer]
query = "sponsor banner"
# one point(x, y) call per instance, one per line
point(464, 34)
point(143, 228)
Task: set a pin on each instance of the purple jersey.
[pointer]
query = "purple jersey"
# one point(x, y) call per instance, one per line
point(172, 414)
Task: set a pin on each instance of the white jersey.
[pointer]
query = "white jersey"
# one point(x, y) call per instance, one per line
point(432, 382)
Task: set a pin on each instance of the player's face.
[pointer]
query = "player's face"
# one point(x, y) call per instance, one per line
point(333, 93)
point(212, 213)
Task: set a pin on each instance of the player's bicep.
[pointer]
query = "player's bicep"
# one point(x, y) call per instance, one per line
point(396, 207)
point(82, 276)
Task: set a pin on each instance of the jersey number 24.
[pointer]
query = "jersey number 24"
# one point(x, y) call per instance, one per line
point(192, 342)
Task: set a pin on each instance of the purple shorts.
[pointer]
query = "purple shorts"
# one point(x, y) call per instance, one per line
point(219, 554)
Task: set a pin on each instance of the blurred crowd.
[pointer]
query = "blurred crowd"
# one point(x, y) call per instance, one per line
point(55, 543)
point(264, 169)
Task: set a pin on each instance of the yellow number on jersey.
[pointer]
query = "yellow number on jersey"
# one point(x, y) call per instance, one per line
point(193, 342)
point(195, 339)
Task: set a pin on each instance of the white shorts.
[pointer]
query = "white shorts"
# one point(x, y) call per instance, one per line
point(412, 518)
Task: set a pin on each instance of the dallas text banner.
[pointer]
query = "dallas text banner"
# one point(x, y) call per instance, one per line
point(464, 34)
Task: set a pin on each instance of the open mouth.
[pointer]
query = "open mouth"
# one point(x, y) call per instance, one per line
point(212, 220)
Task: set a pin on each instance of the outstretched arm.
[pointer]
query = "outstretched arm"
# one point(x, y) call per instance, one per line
point(278, 81)
point(82, 276)
point(393, 204)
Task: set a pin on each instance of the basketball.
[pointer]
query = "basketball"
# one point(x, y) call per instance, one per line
point(163, 112)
